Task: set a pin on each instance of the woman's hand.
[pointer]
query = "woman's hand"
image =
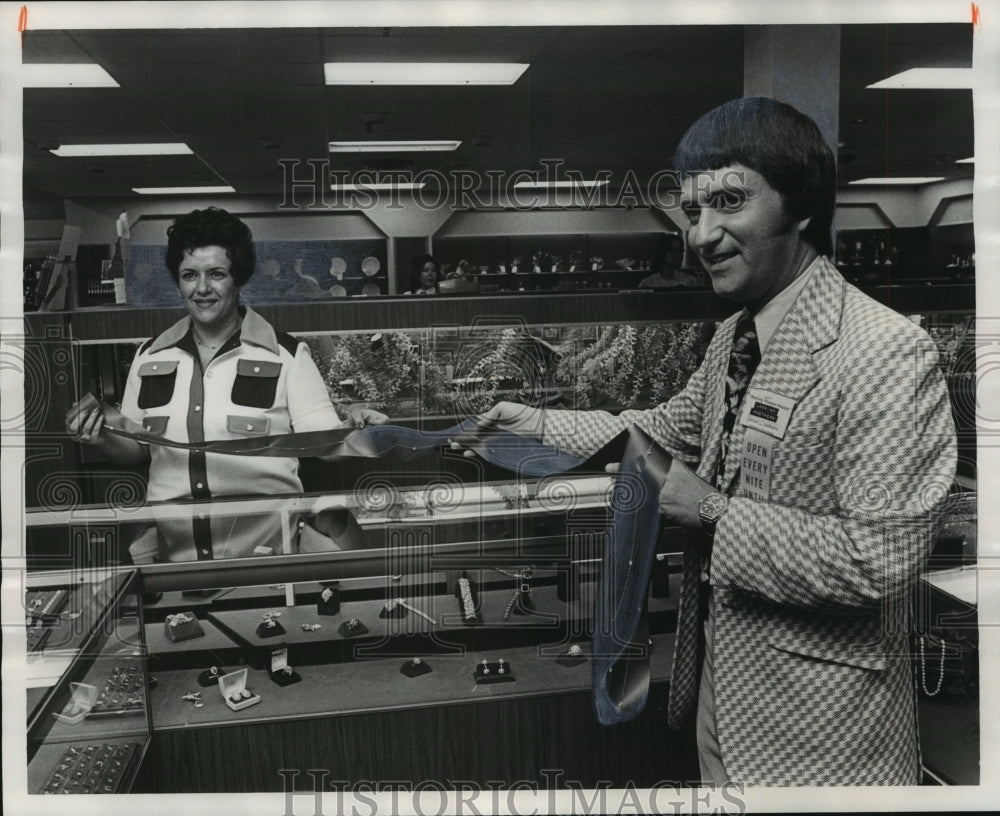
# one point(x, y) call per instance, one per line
point(85, 420)
point(361, 417)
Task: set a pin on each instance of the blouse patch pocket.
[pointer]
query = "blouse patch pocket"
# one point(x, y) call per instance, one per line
point(158, 381)
point(256, 383)
point(247, 425)
point(156, 425)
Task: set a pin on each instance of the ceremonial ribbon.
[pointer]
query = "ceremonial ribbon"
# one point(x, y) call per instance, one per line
point(620, 659)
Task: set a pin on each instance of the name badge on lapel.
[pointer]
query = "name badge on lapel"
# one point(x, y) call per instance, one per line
point(767, 412)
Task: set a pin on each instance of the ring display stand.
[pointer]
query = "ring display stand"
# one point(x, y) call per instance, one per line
point(280, 672)
point(415, 668)
point(210, 677)
point(352, 628)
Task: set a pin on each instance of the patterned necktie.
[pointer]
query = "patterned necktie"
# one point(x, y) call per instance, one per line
point(743, 359)
point(684, 672)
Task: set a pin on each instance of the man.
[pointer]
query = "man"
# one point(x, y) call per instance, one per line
point(667, 260)
point(815, 485)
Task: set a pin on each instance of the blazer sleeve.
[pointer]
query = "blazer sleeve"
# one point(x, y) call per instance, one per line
point(675, 424)
point(894, 455)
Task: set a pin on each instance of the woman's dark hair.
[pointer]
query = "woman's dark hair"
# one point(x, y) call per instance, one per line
point(431, 259)
point(212, 227)
point(779, 142)
point(664, 241)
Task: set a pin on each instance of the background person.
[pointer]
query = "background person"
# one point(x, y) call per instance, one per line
point(221, 372)
point(668, 257)
point(430, 274)
point(816, 511)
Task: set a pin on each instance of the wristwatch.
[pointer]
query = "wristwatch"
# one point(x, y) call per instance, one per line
point(710, 509)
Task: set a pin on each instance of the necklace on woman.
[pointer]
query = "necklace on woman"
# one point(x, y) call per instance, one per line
point(209, 346)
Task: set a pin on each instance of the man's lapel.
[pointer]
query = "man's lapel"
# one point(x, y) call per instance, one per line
point(787, 365)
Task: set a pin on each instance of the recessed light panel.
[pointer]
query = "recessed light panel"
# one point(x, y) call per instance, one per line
point(134, 149)
point(183, 190)
point(423, 73)
point(928, 78)
point(379, 185)
point(559, 185)
point(394, 147)
point(66, 75)
point(900, 180)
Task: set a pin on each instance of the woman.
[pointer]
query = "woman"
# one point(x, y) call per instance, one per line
point(668, 258)
point(221, 372)
point(430, 271)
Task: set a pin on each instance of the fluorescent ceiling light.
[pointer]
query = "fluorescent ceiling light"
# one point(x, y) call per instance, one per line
point(559, 185)
point(970, 160)
point(394, 147)
point(928, 78)
point(380, 185)
point(900, 180)
point(66, 75)
point(137, 149)
point(423, 73)
point(225, 188)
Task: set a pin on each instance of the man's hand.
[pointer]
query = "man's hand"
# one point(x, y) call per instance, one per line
point(681, 492)
point(361, 417)
point(512, 417)
point(515, 418)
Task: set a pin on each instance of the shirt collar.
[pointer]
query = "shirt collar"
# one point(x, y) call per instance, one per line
point(773, 312)
point(254, 330)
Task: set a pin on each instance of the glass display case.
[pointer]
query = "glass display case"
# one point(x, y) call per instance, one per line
point(88, 688)
point(455, 570)
point(474, 591)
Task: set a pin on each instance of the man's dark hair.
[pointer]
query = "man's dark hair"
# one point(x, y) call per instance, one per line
point(779, 142)
point(212, 227)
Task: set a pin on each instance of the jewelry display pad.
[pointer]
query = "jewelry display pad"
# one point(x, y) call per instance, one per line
point(469, 605)
point(182, 626)
point(415, 667)
point(572, 658)
point(352, 628)
point(94, 768)
point(328, 603)
point(241, 626)
point(498, 671)
point(270, 628)
point(209, 678)
point(333, 689)
point(219, 644)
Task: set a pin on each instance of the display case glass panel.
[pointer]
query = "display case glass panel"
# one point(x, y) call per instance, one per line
point(88, 687)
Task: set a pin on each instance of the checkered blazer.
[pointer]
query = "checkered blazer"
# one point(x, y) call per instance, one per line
point(813, 682)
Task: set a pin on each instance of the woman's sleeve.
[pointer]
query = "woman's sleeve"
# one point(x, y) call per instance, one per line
point(309, 405)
